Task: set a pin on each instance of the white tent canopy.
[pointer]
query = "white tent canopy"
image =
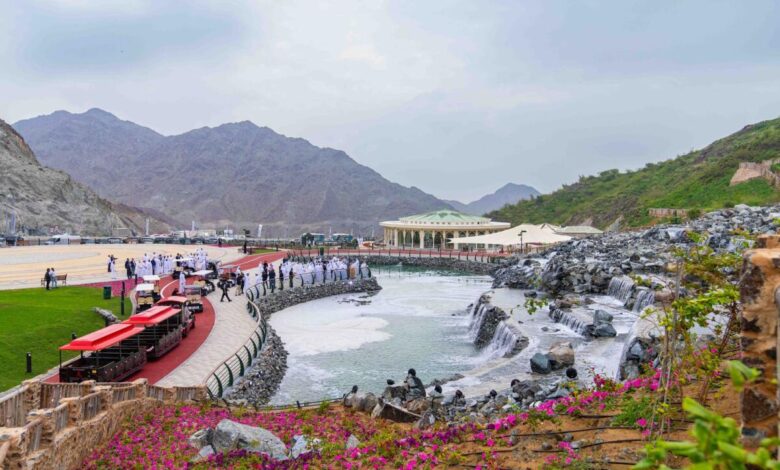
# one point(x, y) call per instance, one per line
point(532, 234)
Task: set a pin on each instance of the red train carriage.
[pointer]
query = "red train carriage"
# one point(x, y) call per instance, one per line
point(112, 354)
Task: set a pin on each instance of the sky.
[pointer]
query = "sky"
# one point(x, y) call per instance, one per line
point(454, 97)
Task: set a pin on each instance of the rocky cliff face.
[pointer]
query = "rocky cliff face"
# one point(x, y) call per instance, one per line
point(236, 173)
point(43, 197)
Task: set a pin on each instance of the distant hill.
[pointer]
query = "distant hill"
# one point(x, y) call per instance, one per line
point(510, 193)
point(236, 173)
point(44, 198)
point(697, 180)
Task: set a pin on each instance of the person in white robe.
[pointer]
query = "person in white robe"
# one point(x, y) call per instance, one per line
point(182, 283)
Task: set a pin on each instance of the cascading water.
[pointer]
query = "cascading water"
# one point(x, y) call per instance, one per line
point(621, 287)
point(644, 298)
point(477, 317)
point(503, 343)
point(576, 321)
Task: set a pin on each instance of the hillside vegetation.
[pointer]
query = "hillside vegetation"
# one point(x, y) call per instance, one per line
point(698, 180)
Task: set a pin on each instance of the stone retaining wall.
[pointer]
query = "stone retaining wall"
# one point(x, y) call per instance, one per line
point(451, 264)
point(760, 292)
point(88, 414)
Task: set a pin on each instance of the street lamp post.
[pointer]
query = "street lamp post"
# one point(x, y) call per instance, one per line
point(522, 250)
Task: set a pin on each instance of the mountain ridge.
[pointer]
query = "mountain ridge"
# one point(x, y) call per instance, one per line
point(697, 181)
point(43, 197)
point(509, 193)
point(235, 173)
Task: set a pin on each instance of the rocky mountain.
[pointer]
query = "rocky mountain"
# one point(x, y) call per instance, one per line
point(510, 193)
point(44, 198)
point(238, 173)
point(698, 181)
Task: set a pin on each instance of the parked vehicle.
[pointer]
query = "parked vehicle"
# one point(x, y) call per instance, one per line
point(181, 303)
point(163, 329)
point(203, 279)
point(194, 295)
point(182, 265)
point(64, 239)
point(112, 354)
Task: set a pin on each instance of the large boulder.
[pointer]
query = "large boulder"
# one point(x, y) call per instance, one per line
point(561, 355)
point(229, 435)
point(604, 330)
point(201, 438)
point(540, 364)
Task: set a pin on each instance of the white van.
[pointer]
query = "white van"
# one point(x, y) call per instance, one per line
point(64, 239)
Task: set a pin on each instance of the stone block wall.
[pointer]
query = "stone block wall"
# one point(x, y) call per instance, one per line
point(760, 293)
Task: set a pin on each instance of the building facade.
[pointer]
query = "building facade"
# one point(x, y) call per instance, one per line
point(433, 230)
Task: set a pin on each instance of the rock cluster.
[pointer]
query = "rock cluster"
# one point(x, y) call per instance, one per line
point(262, 379)
point(107, 315)
point(587, 265)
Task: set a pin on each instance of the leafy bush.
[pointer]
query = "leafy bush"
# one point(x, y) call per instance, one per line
point(716, 443)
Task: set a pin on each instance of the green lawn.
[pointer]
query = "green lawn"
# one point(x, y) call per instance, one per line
point(40, 321)
point(261, 251)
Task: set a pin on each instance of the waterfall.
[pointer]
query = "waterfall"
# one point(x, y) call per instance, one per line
point(644, 298)
point(620, 287)
point(477, 317)
point(576, 321)
point(503, 343)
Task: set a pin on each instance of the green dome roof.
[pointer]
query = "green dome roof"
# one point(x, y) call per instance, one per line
point(445, 215)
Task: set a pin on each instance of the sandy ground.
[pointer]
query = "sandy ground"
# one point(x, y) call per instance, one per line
point(25, 266)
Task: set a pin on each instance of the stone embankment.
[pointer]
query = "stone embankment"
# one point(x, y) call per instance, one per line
point(262, 379)
point(435, 262)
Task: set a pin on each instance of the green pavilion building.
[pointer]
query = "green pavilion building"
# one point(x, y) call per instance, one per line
point(433, 229)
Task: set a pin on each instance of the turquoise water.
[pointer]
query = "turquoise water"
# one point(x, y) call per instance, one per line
point(419, 320)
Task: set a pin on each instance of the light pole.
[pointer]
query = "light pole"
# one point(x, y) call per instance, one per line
point(521, 240)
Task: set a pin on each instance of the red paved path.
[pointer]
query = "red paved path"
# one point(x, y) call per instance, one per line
point(155, 370)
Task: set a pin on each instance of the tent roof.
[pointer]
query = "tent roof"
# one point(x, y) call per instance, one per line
point(533, 234)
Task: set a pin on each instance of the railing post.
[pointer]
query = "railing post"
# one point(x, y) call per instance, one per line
point(230, 375)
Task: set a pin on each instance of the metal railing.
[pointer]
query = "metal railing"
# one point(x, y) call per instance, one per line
point(226, 374)
point(491, 257)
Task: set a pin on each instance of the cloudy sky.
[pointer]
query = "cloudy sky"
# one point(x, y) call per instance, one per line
point(455, 97)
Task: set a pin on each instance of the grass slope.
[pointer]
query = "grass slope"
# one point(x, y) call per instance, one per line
point(698, 180)
point(39, 322)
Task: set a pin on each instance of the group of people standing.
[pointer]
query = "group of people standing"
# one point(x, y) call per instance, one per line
point(159, 264)
point(50, 279)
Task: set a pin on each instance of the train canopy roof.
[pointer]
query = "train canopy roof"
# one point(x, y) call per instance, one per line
point(103, 338)
point(153, 316)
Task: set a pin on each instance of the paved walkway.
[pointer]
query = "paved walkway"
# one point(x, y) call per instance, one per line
point(24, 266)
point(232, 328)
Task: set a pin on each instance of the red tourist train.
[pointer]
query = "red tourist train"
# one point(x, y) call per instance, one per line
point(117, 351)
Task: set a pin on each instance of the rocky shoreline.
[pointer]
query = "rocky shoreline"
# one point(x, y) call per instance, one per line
point(628, 266)
point(263, 378)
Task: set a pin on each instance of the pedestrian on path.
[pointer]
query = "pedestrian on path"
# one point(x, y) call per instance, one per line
point(47, 278)
point(53, 277)
point(281, 277)
point(272, 279)
point(225, 286)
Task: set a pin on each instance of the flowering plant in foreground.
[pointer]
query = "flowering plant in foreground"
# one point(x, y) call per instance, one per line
point(159, 439)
